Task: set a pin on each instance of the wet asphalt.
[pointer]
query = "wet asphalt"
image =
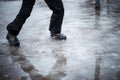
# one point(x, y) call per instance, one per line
point(91, 51)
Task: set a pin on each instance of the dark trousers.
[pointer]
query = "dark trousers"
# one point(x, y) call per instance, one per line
point(56, 19)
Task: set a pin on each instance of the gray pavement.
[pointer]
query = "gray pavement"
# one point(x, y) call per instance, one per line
point(91, 51)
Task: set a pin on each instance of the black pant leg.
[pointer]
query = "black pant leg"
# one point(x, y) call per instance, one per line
point(26, 8)
point(57, 17)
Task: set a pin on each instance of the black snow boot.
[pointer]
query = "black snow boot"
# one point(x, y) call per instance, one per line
point(58, 36)
point(13, 40)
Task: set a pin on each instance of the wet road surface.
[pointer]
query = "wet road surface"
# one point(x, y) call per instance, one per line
point(91, 51)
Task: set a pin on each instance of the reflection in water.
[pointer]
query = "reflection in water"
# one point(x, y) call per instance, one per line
point(97, 4)
point(108, 5)
point(25, 64)
point(97, 18)
point(9, 68)
point(58, 70)
point(97, 68)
